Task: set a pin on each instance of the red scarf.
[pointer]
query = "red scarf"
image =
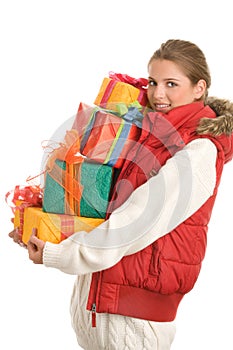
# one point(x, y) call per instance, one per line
point(175, 127)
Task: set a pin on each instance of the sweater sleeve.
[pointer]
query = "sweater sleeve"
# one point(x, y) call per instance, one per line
point(180, 188)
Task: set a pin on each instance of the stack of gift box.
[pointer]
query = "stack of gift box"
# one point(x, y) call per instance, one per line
point(80, 174)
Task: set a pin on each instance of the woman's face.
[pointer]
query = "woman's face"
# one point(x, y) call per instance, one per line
point(169, 87)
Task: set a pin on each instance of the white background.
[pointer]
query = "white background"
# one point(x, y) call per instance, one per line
point(55, 54)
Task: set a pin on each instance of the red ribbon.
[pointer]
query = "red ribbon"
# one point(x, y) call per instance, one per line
point(137, 82)
point(31, 195)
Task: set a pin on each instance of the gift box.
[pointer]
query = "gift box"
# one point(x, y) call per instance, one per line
point(52, 227)
point(121, 88)
point(106, 136)
point(81, 188)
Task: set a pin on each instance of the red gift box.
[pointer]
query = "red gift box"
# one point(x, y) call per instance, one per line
point(105, 136)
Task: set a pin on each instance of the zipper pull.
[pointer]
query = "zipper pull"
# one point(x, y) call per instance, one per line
point(93, 315)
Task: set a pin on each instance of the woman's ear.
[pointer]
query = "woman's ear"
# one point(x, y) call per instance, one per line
point(200, 89)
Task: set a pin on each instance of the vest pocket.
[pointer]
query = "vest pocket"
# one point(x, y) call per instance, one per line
point(154, 268)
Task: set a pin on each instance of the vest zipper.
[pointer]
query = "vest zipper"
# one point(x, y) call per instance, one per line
point(93, 305)
point(93, 315)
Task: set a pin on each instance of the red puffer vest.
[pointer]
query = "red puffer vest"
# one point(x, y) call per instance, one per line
point(151, 283)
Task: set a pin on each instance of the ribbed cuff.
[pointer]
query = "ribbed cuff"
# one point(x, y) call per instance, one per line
point(52, 254)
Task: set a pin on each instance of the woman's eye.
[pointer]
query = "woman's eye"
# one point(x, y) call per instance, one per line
point(171, 84)
point(152, 83)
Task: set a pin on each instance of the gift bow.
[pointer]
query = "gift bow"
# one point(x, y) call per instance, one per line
point(131, 113)
point(137, 82)
point(32, 195)
point(67, 151)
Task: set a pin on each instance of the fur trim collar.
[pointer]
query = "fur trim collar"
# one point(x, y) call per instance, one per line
point(223, 124)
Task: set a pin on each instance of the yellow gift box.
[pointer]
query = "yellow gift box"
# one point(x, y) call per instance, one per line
point(51, 227)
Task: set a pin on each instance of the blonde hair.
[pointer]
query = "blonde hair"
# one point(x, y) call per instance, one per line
point(190, 59)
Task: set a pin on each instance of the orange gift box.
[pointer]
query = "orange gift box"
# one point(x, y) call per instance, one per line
point(121, 88)
point(52, 227)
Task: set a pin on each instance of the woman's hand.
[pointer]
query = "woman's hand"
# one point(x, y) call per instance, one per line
point(17, 237)
point(35, 248)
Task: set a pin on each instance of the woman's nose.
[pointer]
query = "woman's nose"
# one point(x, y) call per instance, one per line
point(159, 92)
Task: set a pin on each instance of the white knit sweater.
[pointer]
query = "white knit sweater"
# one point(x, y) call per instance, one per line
point(182, 186)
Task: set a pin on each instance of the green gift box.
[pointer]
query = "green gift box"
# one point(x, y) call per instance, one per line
point(78, 189)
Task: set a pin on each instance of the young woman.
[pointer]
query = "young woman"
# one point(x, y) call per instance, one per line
point(135, 268)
